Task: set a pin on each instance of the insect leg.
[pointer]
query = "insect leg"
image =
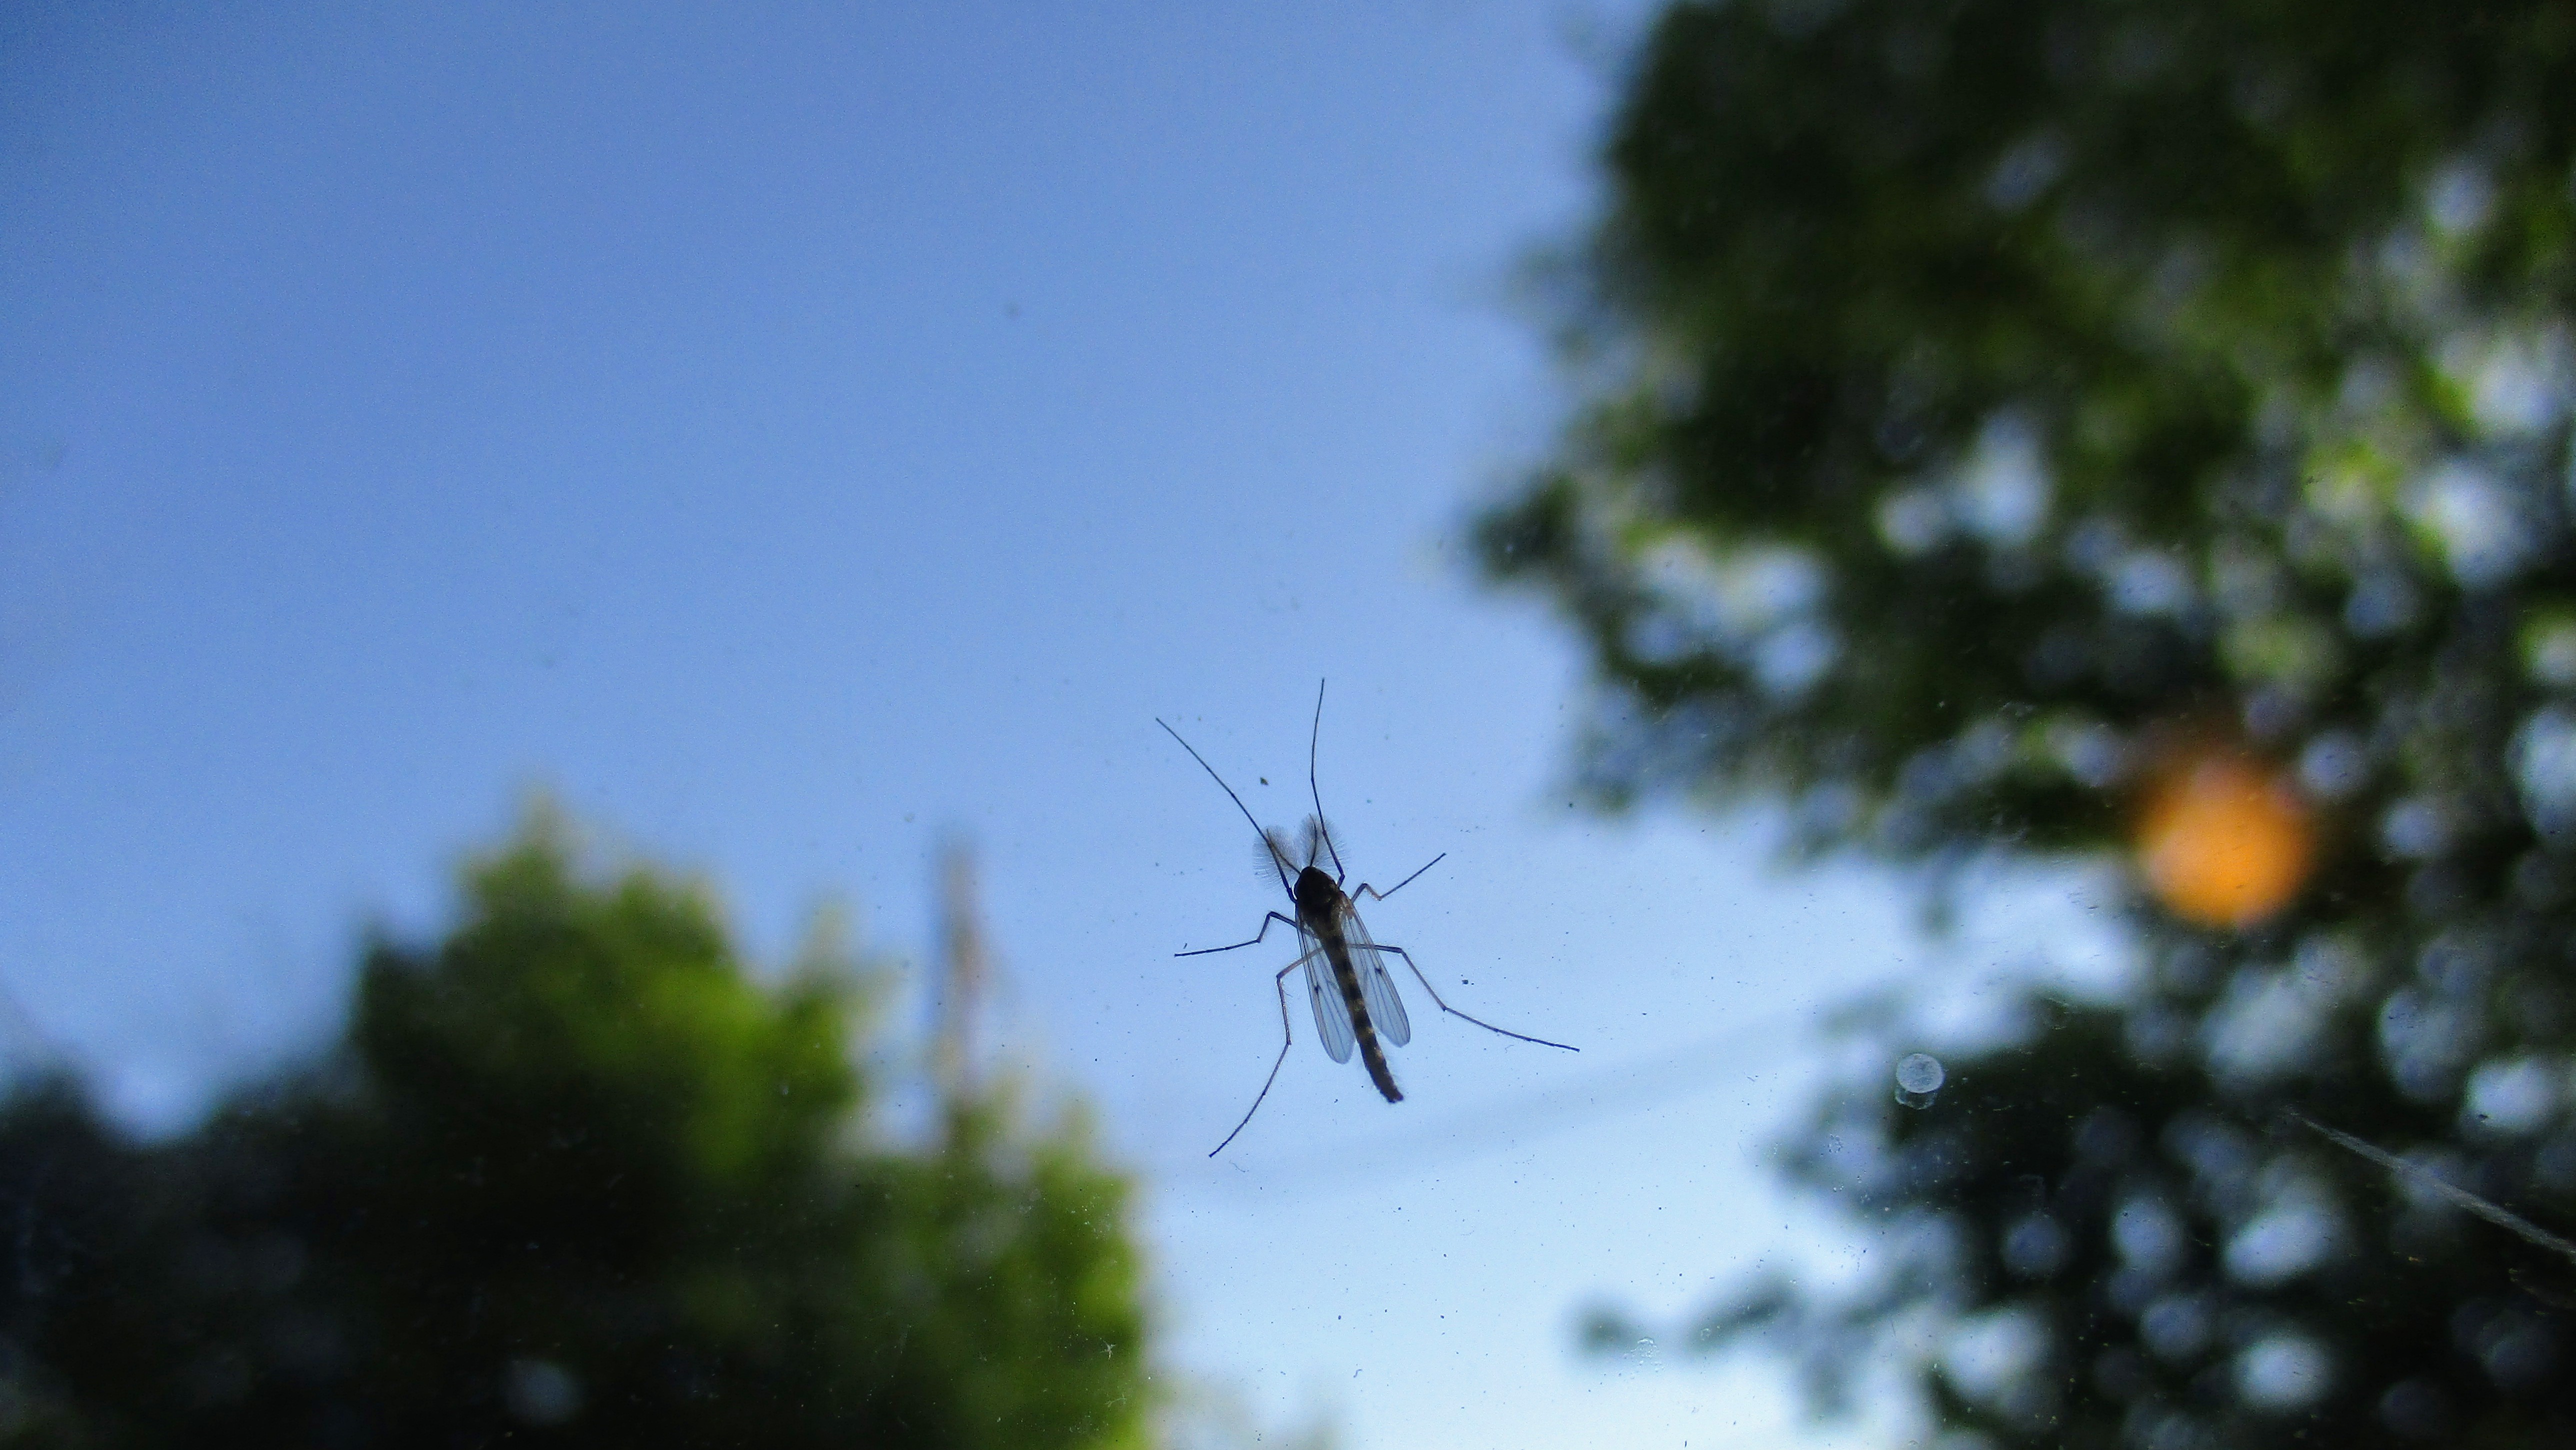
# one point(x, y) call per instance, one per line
point(1454, 1012)
point(1399, 886)
point(1256, 939)
point(1316, 791)
point(1287, 1039)
point(1229, 790)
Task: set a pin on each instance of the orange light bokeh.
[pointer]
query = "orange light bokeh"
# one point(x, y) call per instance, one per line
point(2223, 840)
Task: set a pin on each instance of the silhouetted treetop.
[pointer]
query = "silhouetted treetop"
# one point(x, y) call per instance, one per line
point(575, 1176)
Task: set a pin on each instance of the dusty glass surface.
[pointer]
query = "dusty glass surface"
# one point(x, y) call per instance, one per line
point(1947, 652)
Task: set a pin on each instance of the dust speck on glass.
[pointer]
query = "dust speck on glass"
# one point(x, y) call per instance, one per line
point(1918, 1079)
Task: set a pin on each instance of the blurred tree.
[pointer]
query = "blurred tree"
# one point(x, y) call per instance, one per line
point(2020, 427)
point(573, 1178)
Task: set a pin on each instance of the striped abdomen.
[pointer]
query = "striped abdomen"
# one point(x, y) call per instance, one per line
point(1347, 977)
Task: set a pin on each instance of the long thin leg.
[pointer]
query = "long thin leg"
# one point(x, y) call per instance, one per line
point(1256, 939)
point(1399, 886)
point(1454, 1012)
point(1287, 1039)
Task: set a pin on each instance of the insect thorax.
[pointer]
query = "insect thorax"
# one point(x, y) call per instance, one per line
point(1319, 897)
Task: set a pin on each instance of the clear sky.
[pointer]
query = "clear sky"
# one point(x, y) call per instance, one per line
point(791, 433)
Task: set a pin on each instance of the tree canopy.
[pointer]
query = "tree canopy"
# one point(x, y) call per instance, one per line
point(2136, 428)
point(573, 1176)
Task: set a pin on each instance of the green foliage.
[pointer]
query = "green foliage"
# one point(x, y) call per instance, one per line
point(1986, 399)
point(574, 1177)
point(2002, 371)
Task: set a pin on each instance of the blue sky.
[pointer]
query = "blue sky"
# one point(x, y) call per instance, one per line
point(790, 439)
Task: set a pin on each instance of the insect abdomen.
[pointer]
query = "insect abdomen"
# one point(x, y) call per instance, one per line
point(1361, 1027)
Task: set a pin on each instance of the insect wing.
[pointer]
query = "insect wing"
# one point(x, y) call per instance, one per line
point(1377, 989)
point(1332, 1014)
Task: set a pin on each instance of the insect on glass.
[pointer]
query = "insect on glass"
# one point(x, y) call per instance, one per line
point(1346, 978)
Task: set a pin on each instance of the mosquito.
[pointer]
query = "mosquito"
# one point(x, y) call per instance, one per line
point(1347, 983)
